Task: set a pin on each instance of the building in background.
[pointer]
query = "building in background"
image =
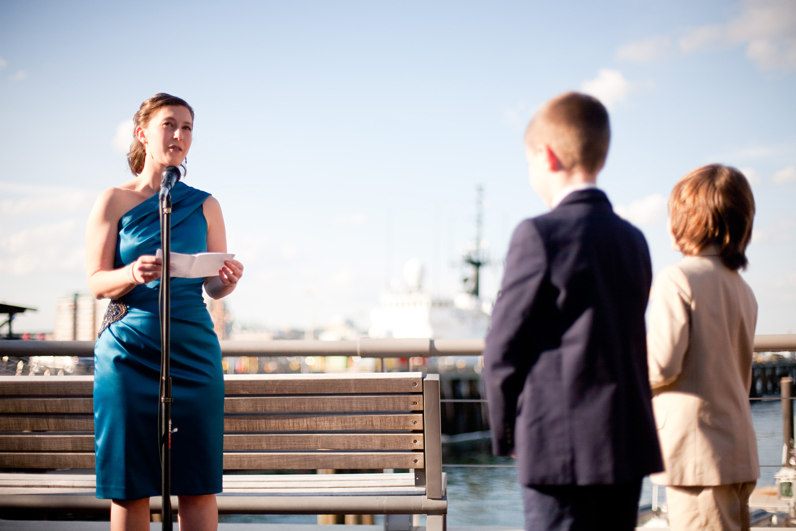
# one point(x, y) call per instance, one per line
point(78, 317)
point(222, 320)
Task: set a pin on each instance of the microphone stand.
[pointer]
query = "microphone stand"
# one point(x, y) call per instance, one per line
point(164, 404)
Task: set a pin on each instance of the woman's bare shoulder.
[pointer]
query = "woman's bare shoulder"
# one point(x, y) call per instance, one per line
point(212, 209)
point(113, 202)
point(211, 202)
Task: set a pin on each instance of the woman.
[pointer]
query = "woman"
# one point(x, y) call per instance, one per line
point(700, 344)
point(122, 238)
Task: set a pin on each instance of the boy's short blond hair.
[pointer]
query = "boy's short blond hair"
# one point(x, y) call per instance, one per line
point(577, 129)
point(713, 205)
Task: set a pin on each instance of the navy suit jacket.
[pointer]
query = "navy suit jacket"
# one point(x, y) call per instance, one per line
point(566, 356)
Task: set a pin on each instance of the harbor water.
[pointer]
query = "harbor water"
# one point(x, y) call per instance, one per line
point(483, 490)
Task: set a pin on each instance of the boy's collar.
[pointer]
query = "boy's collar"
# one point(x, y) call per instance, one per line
point(564, 192)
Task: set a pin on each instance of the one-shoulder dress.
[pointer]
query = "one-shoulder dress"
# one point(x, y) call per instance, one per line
point(127, 368)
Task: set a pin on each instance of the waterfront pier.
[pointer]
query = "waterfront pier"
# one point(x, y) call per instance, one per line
point(462, 405)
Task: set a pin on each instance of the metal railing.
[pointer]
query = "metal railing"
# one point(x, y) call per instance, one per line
point(364, 347)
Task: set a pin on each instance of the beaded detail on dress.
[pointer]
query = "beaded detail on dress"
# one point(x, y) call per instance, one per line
point(116, 310)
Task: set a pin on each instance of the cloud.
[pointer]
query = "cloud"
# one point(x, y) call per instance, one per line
point(648, 211)
point(518, 116)
point(288, 252)
point(610, 87)
point(644, 51)
point(48, 248)
point(43, 228)
point(351, 220)
point(771, 56)
point(779, 232)
point(752, 176)
point(3, 63)
point(19, 75)
point(785, 175)
point(124, 136)
point(340, 278)
point(766, 27)
point(706, 37)
point(71, 202)
point(32, 200)
point(754, 152)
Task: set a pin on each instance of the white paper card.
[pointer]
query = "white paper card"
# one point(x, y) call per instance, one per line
point(197, 265)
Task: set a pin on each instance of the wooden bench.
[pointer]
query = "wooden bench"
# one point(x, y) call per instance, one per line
point(286, 422)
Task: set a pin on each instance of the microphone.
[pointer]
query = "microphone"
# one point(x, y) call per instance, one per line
point(170, 176)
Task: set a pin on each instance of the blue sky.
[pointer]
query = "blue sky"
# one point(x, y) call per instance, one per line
point(344, 138)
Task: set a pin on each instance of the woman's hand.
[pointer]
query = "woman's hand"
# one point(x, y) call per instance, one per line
point(145, 269)
point(225, 282)
point(230, 273)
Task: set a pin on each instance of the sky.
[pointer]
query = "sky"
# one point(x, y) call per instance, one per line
point(345, 138)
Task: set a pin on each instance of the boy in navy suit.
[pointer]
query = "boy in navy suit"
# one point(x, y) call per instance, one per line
point(565, 357)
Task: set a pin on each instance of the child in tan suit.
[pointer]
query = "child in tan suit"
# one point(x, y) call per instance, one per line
point(700, 343)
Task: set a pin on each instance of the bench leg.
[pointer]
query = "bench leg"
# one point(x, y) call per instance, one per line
point(398, 522)
point(437, 522)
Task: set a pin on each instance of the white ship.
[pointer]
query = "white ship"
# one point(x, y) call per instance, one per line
point(410, 311)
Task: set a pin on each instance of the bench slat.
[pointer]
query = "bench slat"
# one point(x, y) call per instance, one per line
point(46, 443)
point(47, 386)
point(236, 461)
point(47, 423)
point(312, 404)
point(311, 460)
point(306, 441)
point(16, 460)
point(46, 405)
point(282, 404)
point(311, 441)
point(237, 384)
point(237, 423)
point(327, 384)
point(243, 504)
point(314, 423)
point(231, 481)
point(356, 490)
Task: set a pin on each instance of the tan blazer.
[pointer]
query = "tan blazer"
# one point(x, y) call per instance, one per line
point(700, 343)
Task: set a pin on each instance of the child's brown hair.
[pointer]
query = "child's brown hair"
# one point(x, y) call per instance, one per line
point(577, 129)
point(713, 205)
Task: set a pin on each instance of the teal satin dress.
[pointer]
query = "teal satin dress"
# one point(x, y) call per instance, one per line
point(127, 368)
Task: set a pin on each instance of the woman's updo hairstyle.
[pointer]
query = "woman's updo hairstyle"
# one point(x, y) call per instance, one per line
point(137, 154)
point(713, 205)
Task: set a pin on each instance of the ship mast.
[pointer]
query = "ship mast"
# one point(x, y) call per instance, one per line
point(475, 257)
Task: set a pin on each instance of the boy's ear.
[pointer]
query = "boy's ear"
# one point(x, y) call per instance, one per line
point(551, 159)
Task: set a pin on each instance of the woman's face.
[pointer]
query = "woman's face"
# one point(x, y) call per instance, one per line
point(167, 136)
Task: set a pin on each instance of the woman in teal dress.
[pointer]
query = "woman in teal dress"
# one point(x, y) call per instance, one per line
point(122, 238)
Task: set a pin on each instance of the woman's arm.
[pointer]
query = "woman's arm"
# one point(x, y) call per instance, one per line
point(224, 283)
point(104, 281)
